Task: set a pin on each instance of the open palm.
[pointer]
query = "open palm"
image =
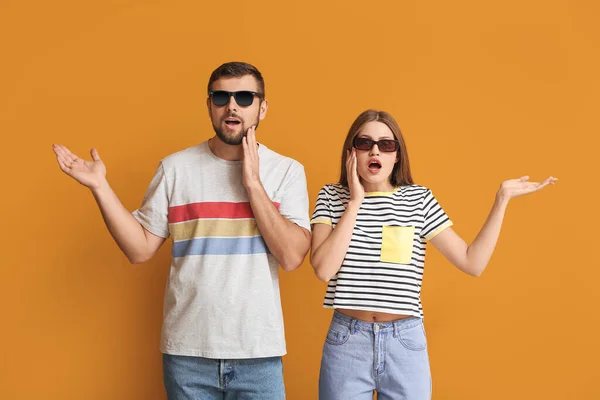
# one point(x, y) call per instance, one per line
point(519, 187)
point(88, 173)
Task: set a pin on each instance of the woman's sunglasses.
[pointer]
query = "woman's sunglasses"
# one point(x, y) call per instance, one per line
point(243, 98)
point(385, 145)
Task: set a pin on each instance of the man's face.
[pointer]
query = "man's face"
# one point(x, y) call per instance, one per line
point(231, 121)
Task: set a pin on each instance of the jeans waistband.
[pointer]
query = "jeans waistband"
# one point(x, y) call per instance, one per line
point(356, 324)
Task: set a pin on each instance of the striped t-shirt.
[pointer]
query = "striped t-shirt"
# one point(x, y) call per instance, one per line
point(383, 267)
point(222, 296)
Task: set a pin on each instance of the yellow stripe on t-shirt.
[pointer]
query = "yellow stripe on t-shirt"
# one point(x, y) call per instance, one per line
point(439, 230)
point(214, 228)
point(320, 220)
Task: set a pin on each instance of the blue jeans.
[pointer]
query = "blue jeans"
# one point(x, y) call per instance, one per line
point(361, 357)
point(191, 378)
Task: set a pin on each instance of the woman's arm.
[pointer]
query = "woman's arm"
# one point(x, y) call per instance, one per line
point(329, 246)
point(474, 258)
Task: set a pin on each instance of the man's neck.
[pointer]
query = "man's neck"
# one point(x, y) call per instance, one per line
point(225, 151)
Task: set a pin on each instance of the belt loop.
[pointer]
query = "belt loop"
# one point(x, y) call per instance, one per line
point(353, 326)
point(395, 329)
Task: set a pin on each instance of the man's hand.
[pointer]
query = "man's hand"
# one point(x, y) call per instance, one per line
point(251, 176)
point(91, 174)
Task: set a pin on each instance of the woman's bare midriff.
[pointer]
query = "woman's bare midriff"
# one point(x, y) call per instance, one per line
point(371, 316)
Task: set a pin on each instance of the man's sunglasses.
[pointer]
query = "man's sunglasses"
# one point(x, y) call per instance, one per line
point(385, 145)
point(243, 98)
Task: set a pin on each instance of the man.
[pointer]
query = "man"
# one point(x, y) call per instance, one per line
point(235, 210)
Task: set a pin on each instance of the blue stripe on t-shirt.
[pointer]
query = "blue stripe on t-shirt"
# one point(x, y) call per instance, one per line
point(220, 246)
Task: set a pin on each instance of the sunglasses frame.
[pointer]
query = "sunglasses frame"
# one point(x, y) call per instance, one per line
point(234, 95)
point(376, 142)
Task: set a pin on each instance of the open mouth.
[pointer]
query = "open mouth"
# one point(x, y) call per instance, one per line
point(374, 165)
point(232, 122)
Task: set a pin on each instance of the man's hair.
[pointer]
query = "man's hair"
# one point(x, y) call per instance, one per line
point(237, 70)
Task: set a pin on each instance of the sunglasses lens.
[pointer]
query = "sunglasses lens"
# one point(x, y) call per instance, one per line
point(220, 98)
point(363, 144)
point(387, 145)
point(244, 98)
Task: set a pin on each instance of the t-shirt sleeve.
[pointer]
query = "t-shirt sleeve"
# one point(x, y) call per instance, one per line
point(436, 219)
point(322, 212)
point(154, 212)
point(294, 202)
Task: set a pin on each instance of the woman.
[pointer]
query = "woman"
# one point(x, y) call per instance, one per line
point(368, 242)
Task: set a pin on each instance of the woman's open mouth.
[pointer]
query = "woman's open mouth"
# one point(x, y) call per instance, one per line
point(375, 166)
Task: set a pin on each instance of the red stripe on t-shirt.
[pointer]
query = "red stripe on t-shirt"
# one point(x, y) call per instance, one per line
point(211, 210)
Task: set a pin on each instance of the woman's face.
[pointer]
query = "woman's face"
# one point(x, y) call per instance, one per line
point(375, 166)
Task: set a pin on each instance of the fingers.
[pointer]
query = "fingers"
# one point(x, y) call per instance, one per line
point(351, 167)
point(64, 156)
point(251, 136)
point(64, 152)
point(354, 164)
point(95, 155)
point(348, 160)
point(539, 185)
point(523, 182)
point(355, 177)
point(351, 163)
point(548, 181)
point(60, 152)
point(249, 144)
point(531, 187)
point(247, 153)
point(66, 169)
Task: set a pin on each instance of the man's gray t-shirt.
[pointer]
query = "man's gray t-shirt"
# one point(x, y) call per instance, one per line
point(222, 296)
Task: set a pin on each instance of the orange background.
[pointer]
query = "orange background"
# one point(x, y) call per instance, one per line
point(483, 92)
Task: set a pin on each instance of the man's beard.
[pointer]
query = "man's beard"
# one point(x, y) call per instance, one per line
point(233, 140)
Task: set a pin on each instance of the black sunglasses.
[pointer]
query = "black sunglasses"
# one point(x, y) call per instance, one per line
point(385, 145)
point(243, 98)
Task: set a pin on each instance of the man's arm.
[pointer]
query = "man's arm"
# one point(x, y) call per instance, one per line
point(287, 241)
point(138, 244)
point(133, 239)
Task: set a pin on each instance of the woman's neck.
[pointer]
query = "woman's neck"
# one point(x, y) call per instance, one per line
point(378, 186)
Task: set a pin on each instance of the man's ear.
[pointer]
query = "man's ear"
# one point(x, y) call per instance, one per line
point(264, 105)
